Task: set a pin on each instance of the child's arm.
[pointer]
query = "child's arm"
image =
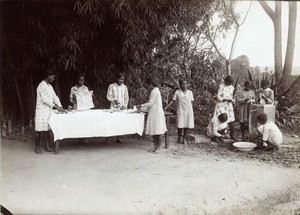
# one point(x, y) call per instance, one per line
point(265, 133)
point(172, 102)
point(215, 129)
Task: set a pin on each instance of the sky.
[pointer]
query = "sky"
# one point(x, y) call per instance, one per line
point(256, 37)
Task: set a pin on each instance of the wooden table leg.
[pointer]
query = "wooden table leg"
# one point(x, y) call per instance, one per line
point(57, 147)
point(167, 132)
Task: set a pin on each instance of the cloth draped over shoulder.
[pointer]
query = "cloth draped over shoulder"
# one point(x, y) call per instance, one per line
point(156, 123)
point(84, 99)
point(45, 100)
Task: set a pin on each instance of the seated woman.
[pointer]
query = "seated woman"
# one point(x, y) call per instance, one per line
point(271, 135)
point(156, 124)
point(266, 95)
point(217, 127)
point(80, 90)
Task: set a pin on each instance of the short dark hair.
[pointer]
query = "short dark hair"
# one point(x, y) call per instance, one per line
point(49, 72)
point(152, 81)
point(120, 75)
point(262, 118)
point(223, 117)
point(81, 76)
point(229, 80)
point(247, 84)
point(181, 81)
point(265, 82)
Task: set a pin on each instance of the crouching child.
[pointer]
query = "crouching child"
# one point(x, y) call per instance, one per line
point(217, 128)
point(271, 136)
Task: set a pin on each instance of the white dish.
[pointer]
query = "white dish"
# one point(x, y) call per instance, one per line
point(244, 146)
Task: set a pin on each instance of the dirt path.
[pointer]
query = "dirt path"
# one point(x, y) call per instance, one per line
point(125, 179)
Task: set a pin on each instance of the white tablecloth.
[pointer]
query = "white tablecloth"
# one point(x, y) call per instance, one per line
point(95, 123)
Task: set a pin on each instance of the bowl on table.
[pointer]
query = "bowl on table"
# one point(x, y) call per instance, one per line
point(244, 146)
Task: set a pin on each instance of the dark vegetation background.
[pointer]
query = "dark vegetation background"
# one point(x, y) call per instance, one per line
point(164, 39)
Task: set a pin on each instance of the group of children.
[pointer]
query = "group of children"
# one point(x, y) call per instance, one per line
point(271, 136)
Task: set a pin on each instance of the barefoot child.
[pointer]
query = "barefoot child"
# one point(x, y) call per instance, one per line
point(156, 124)
point(217, 127)
point(185, 114)
point(244, 98)
point(271, 135)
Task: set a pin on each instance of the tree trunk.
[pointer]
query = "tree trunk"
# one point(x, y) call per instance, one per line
point(277, 42)
point(21, 105)
point(228, 67)
point(293, 93)
point(289, 55)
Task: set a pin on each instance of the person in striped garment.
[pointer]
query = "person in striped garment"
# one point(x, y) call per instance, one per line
point(117, 93)
point(118, 96)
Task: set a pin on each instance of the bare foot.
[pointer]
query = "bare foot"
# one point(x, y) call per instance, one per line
point(47, 149)
point(157, 151)
point(38, 150)
point(183, 142)
point(151, 150)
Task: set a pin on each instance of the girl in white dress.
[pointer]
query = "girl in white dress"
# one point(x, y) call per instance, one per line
point(185, 113)
point(156, 123)
point(46, 100)
point(225, 103)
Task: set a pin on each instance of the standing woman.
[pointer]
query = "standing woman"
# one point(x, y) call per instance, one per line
point(156, 123)
point(185, 113)
point(244, 98)
point(46, 99)
point(117, 93)
point(225, 103)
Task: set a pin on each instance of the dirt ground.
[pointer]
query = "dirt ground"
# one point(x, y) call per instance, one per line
point(126, 179)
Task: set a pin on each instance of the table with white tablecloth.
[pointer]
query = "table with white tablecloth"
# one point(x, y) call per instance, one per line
point(94, 123)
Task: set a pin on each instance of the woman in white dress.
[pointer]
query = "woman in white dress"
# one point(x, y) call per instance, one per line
point(225, 103)
point(46, 100)
point(156, 123)
point(185, 113)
